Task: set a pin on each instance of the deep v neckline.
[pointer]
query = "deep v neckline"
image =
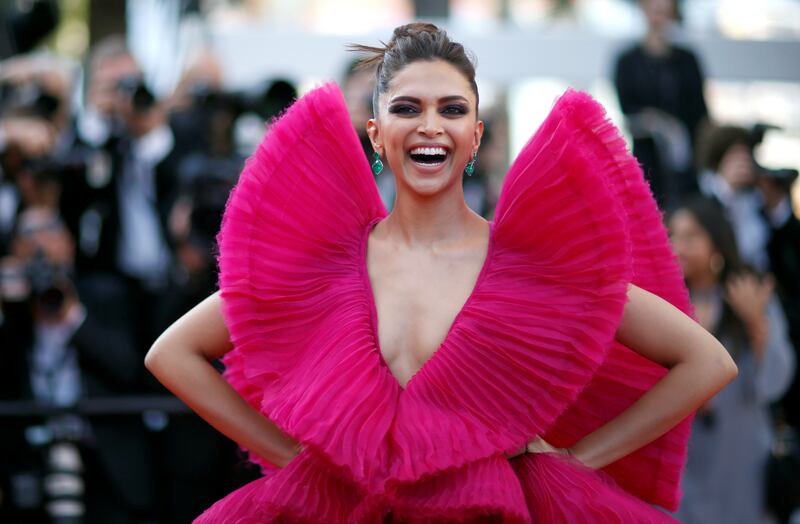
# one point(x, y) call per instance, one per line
point(373, 309)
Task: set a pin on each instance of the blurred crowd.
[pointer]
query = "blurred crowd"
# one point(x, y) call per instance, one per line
point(108, 215)
point(109, 209)
point(737, 240)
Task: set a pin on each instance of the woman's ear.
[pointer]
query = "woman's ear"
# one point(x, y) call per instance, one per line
point(478, 134)
point(374, 135)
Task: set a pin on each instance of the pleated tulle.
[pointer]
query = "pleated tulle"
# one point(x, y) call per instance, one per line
point(532, 351)
point(291, 290)
point(560, 491)
point(653, 472)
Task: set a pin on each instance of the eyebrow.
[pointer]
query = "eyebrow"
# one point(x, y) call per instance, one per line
point(444, 99)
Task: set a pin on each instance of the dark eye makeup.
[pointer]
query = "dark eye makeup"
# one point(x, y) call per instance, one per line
point(455, 109)
point(450, 109)
point(402, 109)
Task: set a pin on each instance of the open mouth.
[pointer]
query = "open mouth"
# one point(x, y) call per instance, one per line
point(428, 156)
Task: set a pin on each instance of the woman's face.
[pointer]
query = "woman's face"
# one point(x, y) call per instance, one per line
point(427, 127)
point(658, 13)
point(692, 244)
point(736, 166)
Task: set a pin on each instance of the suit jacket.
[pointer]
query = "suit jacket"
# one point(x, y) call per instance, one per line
point(118, 459)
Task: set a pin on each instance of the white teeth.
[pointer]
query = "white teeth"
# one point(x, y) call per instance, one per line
point(428, 151)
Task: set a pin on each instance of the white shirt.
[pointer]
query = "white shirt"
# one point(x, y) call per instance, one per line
point(142, 251)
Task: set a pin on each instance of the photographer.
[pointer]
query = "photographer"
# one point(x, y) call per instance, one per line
point(784, 246)
point(757, 201)
point(730, 178)
point(55, 351)
point(34, 135)
point(119, 215)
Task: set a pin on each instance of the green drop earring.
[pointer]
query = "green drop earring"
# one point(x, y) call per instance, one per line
point(471, 165)
point(377, 165)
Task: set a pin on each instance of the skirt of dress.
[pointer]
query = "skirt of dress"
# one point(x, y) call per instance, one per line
point(545, 488)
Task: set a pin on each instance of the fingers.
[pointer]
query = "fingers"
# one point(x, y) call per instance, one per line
point(539, 445)
point(748, 285)
point(748, 295)
point(33, 136)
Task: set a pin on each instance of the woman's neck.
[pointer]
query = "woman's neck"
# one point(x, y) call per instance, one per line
point(425, 220)
point(655, 42)
point(703, 284)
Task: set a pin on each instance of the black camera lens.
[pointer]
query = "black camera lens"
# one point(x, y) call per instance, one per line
point(51, 300)
point(48, 282)
point(134, 89)
point(28, 100)
point(6, 93)
point(46, 105)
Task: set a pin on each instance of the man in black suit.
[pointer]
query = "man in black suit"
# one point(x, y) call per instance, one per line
point(784, 257)
point(61, 341)
point(118, 210)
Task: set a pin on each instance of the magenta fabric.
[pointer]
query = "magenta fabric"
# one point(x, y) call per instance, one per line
point(532, 351)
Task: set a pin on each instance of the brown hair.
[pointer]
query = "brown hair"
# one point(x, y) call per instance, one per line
point(112, 46)
point(715, 141)
point(411, 43)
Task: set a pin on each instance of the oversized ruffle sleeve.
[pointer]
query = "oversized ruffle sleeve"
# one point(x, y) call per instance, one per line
point(653, 472)
point(532, 351)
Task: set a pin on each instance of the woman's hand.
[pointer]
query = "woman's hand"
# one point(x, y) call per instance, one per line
point(539, 445)
point(748, 297)
point(698, 368)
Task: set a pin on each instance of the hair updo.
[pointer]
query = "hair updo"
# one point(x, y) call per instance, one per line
point(411, 43)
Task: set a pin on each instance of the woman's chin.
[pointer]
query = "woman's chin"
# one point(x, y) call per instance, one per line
point(426, 180)
point(427, 186)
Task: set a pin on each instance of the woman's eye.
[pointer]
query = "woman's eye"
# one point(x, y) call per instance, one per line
point(402, 110)
point(456, 109)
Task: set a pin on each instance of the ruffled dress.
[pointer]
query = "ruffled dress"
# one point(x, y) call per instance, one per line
point(532, 351)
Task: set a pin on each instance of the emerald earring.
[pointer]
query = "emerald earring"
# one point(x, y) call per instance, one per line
point(471, 165)
point(377, 165)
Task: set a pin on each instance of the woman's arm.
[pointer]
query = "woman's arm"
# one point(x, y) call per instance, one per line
point(181, 360)
point(698, 368)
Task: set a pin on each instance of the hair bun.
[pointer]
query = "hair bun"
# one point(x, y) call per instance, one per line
point(374, 56)
point(412, 30)
point(410, 43)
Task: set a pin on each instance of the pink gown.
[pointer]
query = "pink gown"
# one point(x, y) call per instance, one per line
point(532, 352)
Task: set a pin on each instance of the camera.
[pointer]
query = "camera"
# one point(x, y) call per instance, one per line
point(59, 484)
point(27, 100)
point(133, 88)
point(48, 284)
point(783, 178)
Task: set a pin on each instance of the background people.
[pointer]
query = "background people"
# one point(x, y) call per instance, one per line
point(660, 90)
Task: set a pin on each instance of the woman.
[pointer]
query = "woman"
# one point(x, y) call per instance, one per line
point(660, 90)
point(724, 477)
point(428, 366)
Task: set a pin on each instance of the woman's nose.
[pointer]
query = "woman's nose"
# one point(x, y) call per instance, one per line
point(430, 124)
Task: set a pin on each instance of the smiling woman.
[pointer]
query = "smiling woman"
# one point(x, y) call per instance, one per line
point(427, 365)
point(427, 134)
